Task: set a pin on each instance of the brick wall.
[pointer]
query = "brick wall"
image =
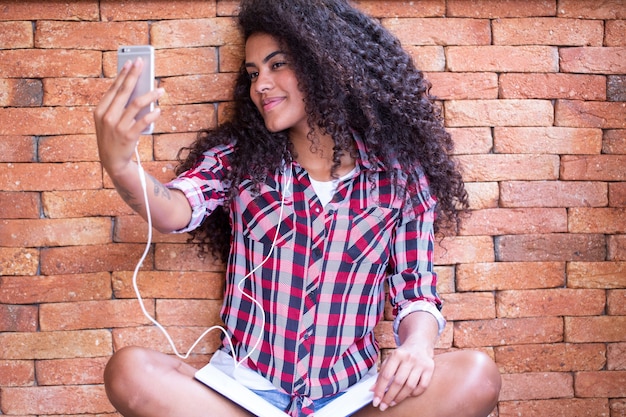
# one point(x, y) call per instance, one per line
point(534, 95)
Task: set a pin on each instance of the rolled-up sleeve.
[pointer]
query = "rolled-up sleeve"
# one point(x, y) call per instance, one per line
point(413, 284)
point(204, 185)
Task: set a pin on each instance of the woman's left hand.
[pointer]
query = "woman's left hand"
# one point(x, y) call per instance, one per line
point(407, 371)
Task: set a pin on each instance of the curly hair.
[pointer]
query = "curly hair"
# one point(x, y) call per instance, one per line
point(355, 77)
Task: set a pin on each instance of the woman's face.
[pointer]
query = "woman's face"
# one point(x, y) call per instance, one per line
point(273, 85)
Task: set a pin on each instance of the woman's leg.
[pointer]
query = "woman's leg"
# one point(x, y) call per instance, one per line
point(465, 384)
point(141, 382)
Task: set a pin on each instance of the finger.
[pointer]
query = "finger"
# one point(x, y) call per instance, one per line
point(384, 380)
point(398, 389)
point(151, 117)
point(120, 100)
point(107, 98)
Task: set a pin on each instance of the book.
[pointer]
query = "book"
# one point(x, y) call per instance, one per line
point(352, 400)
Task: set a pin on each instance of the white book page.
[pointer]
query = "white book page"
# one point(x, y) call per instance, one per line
point(355, 398)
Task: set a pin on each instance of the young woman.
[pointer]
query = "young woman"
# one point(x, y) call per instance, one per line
point(328, 183)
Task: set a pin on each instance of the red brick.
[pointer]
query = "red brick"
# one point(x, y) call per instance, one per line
point(464, 86)
point(16, 35)
point(169, 257)
point(616, 356)
point(610, 384)
point(445, 281)
point(17, 149)
point(500, 9)
point(45, 63)
point(615, 33)
point(50, 10)
point(551, 247)
point(90, 35)
point(428, 58)
point(30, 177)
point(471, 140)
point(69, 148)
point(463, 113)
point(463, 249)
point(594, 60)
point(84, 203)
point(509, 276)
point(617, 406)
point(55, 345)
point(157, 10)
point(80, 371)
point(54, 232)
point(183, 338)
point(548, 31)
point(597, 220)
point(604, 115)
point(552, 86)
point(617, 248)
point(550, 302)
point(45, 121)
point(134, 229)
point(502, 221)
point(21, 93)
point(163, 171)
point(55, 400)
point(53, 289)
point(102, 314)
point(166, 147)
point(187, 61)
point(596, 275)
point(469, 306)
point(553, 194)
point(18, 261)
point(557, 357)
point(499, 332)
point(227, 7)
point(595, 329)
point(498, 167)
point(92, 258)
point(197, 89)
point(610, 9)
point(502, 58)
point(482, 195)
point(536, 386)
point(445, 31)
point(566, 407)
point(617, 194)
point(186, 118)
point(614, 142)
point(20, 205)
point(195, 32)
point(593, 167)
point(423, 8)
point(171, 284)
point(616, 301)
point(230, 57)
point(16, 373)
point(74, 91)
point(195, 313)
point(18, 318)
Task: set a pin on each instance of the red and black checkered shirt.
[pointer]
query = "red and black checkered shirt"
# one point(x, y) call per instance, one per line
point(323, 286)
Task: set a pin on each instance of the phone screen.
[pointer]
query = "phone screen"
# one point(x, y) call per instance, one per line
point(145, 83)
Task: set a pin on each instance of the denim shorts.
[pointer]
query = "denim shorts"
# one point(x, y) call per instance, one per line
point(282, 400)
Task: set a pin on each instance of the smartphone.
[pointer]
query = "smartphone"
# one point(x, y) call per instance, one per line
point(145, 83)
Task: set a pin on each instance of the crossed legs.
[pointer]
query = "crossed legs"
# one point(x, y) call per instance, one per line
point(142, 382)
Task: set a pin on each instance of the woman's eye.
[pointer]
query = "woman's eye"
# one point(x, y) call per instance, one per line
point(253, 75)
point(277, 65)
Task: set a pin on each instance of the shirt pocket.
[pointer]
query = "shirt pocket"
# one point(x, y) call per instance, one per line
point(264, 220)
point(369, 232)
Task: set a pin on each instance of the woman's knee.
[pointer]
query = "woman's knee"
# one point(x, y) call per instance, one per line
point(124, 373)
point(482, 377)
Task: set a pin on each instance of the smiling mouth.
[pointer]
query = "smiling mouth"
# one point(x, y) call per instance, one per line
point(270, 103)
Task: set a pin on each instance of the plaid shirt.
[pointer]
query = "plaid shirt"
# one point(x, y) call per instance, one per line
point(323, 286)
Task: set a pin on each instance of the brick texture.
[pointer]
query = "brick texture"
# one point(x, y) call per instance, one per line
point(532, 93)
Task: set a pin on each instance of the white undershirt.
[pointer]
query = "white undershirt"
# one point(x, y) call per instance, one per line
point(325, 190)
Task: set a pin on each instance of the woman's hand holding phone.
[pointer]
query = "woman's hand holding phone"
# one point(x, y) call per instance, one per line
point(119, 119)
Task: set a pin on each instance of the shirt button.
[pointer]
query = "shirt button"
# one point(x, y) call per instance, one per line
point(317, 253)
point(317, 210)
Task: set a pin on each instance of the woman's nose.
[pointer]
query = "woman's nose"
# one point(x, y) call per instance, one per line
point(263, 82)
